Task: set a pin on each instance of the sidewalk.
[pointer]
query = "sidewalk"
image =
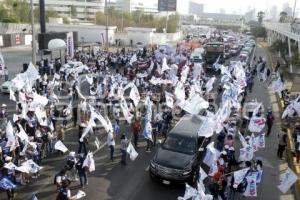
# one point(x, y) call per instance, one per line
point(291, 83)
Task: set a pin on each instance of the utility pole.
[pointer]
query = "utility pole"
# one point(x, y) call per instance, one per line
point(167, 21)
point(106, 28)
point(33, 43)
point(293, 15)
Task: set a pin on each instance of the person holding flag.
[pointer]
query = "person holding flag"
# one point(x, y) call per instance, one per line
point(123, 148)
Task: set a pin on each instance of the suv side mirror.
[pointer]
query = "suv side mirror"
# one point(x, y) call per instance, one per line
point(201, 149)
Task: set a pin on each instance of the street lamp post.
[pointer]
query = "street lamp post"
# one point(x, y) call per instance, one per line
point(33, 43)
point(106, 28)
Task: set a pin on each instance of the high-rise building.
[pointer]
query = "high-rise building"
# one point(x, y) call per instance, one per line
point(85, 9)
point(195, 8)
point(137, 5)
point(288, 9)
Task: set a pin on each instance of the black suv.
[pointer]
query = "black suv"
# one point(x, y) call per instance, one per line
point(178, 158)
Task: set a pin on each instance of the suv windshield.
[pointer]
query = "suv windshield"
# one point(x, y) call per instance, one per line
point(180, 144)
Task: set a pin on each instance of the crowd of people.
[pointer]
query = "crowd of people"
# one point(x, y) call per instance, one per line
point(147, 91)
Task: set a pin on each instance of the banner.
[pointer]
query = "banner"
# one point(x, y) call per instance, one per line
point(256, 124)
point(251, 189)
point(70, 44)
point(132, 152)
point(60, 146)
point(6, 184)
point(287, 179)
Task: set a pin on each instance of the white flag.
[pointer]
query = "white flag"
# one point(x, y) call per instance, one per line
point(261, 142)
point(133, 59)
point(189, 192)
point(132, 152)
point(60, 146)
point(246, 153)
point(209, 84)
point(12, 95)
point(169, 99)
point(164, 65)
point(80, 194)
point(239, 176)
point(127, 114)
point(287, 179)
point(288, 111)
point(195, 104)
point(207, 127)
point(212, 154)
point(89, 162)
point(135, 95)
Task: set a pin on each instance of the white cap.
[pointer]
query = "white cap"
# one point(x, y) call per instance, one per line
point(224, 152)
point(226, 146)
point(247, 137)
point(3, 105)
point(231, 148)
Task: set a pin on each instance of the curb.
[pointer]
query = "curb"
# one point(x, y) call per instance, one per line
point(289, 150)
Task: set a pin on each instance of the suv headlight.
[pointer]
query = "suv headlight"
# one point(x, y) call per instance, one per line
point(153, 165)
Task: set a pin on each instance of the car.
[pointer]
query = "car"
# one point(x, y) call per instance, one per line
point(7, 86)
point(78, 69)
point(178, 158)
point(69, 65)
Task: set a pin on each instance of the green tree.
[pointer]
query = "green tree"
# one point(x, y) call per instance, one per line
point(260, 16)
point(73, 11)
point(283, 17)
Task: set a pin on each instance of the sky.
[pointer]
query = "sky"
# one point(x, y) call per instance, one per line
point(240, 6)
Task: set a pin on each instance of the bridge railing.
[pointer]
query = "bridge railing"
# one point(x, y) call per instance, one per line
point(285, 29)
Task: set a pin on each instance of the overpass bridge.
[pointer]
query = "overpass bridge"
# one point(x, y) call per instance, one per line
point(283, 31)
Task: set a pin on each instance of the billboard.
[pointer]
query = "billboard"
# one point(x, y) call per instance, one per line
point(167, 5)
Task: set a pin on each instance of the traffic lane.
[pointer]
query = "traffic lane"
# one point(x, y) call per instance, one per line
point(14, 59)
point(271, 165)
point(111, 180)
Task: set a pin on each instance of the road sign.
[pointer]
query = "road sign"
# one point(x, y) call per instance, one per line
point(167, 5)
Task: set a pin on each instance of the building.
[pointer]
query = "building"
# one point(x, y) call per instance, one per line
point(195, 8)
point(85, 9)
point(135, 5)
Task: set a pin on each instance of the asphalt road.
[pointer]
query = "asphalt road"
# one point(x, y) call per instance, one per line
point(111, 180)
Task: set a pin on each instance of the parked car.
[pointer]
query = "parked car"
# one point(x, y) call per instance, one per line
point(178, 158)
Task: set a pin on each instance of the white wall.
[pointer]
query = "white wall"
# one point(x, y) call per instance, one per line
point(91, 34)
